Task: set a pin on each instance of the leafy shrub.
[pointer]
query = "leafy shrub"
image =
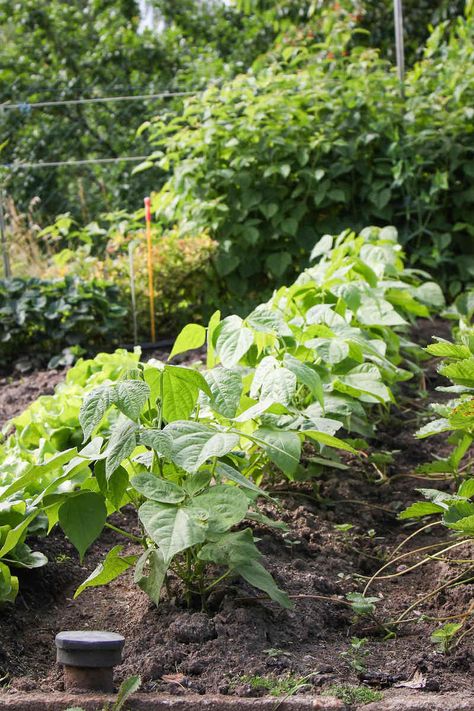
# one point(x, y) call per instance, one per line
point(318, 140)
point(184, 278)
point(457, 415)
point(40, 318)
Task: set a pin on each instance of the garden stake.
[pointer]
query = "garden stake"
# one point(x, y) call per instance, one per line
point(151, 294)
point(131, 247)
point(88, 658)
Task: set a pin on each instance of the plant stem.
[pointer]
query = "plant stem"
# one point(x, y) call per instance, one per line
point(132, 537)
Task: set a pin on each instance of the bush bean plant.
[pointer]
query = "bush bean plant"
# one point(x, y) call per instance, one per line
point(191, 449)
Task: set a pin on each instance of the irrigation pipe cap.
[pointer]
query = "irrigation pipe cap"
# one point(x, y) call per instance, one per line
point(88, 658)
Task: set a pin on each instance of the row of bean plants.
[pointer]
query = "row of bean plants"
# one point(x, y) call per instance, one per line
point(192, 448)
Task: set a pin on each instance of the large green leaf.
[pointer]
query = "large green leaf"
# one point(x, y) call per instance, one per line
point(233, 340)
point(282, 447)
point(181, 388)
point(224, 506)
point(419, 509)
point(195, 443)
point(172, 528)
point(192, 336)
point(273, 382)
point(378, 312)
point(363, 382)
point(152, 487)
point(226, 389)
point(82, 518)
point(129, 396)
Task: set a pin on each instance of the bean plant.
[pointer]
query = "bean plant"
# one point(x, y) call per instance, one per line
point(191, 449)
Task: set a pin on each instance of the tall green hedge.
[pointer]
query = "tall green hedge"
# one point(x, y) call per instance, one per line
point(323, 139)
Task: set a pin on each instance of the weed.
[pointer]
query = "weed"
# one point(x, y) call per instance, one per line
point(353, 694)
point(356, 653)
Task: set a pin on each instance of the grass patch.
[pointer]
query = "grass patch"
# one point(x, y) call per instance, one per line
point(353, 694)
point(275, 686)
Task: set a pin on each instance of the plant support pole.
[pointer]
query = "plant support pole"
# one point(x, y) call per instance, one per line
point(399, 44)
point(151, 294)
point(131, 247)
point(7, 272)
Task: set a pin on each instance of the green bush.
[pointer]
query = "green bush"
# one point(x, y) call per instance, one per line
point(318, 140)
point(40, 318)
point(182, 264)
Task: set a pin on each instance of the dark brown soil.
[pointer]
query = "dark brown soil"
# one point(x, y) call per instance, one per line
point(18, 391)
point(242, 635)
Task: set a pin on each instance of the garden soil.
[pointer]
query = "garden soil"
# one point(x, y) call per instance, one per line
point(341, 528)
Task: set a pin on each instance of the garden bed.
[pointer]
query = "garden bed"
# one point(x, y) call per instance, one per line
point(245, 646)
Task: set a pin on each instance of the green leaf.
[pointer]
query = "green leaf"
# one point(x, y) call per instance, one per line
point(127, 688)
point(172, 528)
point(254, 573)
point(360, 604)
point(430, 294)
point(378, 312)
point(82, 518)
point(266, 320)
point(282, 447)
point(434, 427)
point(224, 506)
point(273, 382)
point(227, 472)
point(15, 535)
point(462, 417)
point(324, 245)
point(446, 349)
point(150, 573)
point(130, 397)
point(192, 336)
point(464, 525)
point(152, 487)
point(419, 509)
point(306, 375)
point(94, 407)
point(328, 440)
point(461, 372)
point(195, 443)
point(230, 549)
point(226, 389)
point(122, 442)
point(109, 569)
point(181, 388)
point(233, 340)
point(467, 489)
point(157, 440)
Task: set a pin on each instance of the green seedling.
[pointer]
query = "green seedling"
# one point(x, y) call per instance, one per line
point(356, 653)
point(444, 636)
